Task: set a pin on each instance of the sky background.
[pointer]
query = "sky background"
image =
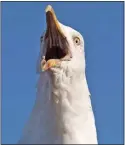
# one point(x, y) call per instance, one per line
point(101, 24)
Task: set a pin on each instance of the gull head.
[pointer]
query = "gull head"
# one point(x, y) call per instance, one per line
point(63, 44)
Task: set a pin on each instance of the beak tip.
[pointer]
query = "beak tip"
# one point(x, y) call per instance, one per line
point(48, 8)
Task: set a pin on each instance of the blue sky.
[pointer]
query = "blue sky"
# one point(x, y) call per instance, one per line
point(101, 24)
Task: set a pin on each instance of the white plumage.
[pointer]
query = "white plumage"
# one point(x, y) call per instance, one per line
point(62, 112)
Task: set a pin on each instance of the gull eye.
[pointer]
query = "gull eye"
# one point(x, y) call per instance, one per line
point(77, 40)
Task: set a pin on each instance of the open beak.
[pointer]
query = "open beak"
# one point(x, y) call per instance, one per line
point(56, 44)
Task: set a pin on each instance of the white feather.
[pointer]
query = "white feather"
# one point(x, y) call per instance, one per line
point(62, 112)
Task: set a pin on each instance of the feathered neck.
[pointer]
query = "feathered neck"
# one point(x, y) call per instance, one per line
point(62, 112)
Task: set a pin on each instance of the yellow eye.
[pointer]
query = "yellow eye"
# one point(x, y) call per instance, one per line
point(77, 40)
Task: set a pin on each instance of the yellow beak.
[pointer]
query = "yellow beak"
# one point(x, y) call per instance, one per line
point(52, 22)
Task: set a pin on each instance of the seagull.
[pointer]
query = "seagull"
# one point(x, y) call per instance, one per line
point(62, 112)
